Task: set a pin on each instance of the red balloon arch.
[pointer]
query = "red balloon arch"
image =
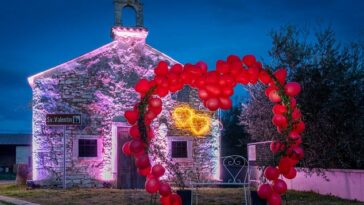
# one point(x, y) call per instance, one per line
point(215, 89)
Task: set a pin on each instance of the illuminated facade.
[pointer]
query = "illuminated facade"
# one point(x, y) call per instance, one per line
point(99, 87)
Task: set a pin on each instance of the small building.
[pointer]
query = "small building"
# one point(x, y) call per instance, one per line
point(15, 149)
point(98, 86)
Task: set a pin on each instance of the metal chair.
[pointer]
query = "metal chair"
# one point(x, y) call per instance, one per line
point(236, 174)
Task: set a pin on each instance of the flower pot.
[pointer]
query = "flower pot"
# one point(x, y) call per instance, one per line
point(256, 200)
point(186, 196)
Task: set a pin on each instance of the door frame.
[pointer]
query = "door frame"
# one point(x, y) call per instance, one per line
point(114, 149)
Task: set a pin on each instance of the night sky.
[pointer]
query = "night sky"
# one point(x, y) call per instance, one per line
point(39, 34)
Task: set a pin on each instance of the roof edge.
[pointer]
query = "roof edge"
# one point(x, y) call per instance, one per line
point(32, 78)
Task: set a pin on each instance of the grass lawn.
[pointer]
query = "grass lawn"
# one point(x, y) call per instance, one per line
point(208, 196)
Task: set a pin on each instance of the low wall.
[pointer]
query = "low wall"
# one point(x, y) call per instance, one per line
point(343, 183)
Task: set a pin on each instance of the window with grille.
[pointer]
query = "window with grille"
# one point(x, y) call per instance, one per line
point(87, 147)
point(179, 149)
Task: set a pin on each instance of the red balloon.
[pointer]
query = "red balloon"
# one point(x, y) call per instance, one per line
point(222, 81)
point(202, 65)
point(227, 91)
point(275, 199)
point(212, 104)
point(222, 67)
point(271, 173)
point(150, 133)
point(279, 121)
point(134, 132)
point(249, 60)
point(275, 147)
point(243, 77)
point(212, 77)
point(126, 148)
point(235, 68)
point(230, 81)
point(292, 89)
point(136, 145)
point(264, 77)
point(161, 81)
point(213, 90)
point(156, 110)
point(155, 102)
point(269, 90)
point(299, 127)
point(291, 174)
point(264, 191)
point(201, 82)
point(138, 154)
point(296, 153)
point(281, 75)
point(296, 114)
point(142, 86)
point(297, 142)
point(152, 185)
point(161, 91)
point(150, 115)
point(158, 170)
point(203, 94)
point(293, 102)
point(274, 96)
point(259, 65)
point(172, 78)
point(177, 68)
point(131, 116)
point(165, 200)
point(294, 136)
point(165, 189)
point(142, 161)
point(279, 109)
point(253, 74)
point(279, 186)
point(233, 58)
point(284, 165)
point(225, 103)
point(176, 199)
point(144, 172)
point(161, 69)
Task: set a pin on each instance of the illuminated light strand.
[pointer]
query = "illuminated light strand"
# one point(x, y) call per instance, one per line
point(186, 118)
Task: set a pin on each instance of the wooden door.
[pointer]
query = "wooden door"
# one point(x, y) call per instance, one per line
point(128, 178)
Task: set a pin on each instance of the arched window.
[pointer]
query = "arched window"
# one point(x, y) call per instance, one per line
point(129, 16)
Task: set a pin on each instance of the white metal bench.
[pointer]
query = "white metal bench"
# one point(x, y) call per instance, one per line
point(236, 175)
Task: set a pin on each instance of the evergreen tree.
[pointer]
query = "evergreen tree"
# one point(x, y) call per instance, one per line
point(234, 138)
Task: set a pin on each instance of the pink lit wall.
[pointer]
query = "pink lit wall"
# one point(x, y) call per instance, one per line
point(343, 183)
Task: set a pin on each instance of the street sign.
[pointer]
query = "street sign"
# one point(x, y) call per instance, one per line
point(63, 119)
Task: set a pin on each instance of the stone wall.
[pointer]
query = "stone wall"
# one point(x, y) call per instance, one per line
point(99, 86)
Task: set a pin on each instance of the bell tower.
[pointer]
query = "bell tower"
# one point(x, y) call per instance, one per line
point(119, 31)
point(136, 5)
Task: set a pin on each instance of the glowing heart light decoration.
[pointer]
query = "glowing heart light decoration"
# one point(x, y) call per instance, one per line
point(182, 116)
point(200, 125)
point(215, 89)
point(186, 118)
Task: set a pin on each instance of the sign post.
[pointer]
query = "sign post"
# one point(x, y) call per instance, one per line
point(63, 120)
